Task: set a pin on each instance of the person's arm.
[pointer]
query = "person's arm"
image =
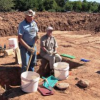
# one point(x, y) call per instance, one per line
point(55, 51)
point(37, 37)
point(37, 34)
point(42, 45)
point(45, 49)
point(55, 46)
point(20, 39)
point(22, 42)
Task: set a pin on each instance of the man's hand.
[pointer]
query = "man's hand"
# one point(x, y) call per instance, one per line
point(50, 52)
point(55, 52)
point(31, 50)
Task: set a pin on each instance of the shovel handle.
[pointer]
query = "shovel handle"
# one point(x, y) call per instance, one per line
point(29, 61)
point(45, 79)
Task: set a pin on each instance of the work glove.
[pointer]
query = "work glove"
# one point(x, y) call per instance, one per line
point(49, 52)
point(31, 50)
point(55, 52)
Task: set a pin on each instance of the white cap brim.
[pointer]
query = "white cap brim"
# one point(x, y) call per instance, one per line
point(50, 28)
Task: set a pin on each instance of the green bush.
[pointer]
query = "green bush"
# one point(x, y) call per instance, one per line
point(6, 5)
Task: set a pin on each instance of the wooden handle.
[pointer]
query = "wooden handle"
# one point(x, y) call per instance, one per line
point(29, 61)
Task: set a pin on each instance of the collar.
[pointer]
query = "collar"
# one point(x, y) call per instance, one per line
point(48, 36)
point(28, 22)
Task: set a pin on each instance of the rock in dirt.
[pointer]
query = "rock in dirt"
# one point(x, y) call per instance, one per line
point(62, 85)
point(83, 83)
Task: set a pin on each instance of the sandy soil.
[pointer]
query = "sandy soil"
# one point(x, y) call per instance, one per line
point(81, 44)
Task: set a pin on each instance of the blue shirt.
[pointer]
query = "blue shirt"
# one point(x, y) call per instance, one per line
point(28, 31)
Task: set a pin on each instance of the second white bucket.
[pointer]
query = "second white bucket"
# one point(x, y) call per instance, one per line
point(13, 44)
point(29, 81)
point(61, 70)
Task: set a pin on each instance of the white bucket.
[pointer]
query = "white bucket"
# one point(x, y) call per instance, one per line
point(61, 70)
point(13, 44)
point(29, 81)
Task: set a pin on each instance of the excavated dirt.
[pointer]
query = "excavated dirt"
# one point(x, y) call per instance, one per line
point(79, 36)
point(60, 21)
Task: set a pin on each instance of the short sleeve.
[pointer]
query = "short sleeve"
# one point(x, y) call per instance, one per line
point(20, 29)
point(37, 28)
point(55, 43)
point(42, 43)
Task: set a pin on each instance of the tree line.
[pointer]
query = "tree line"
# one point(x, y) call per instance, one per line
point(49, 5)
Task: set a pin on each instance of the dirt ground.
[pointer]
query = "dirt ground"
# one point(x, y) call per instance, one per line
point(77, 37)
point(60, 21)
point(72, 43)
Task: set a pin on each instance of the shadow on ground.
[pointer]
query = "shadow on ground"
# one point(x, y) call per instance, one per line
point(72, 64)
point(98, 72)
point(10, 76)
point(12, 93)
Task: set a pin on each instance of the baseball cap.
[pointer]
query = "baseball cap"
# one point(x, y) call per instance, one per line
point(30, 12)
point(49, 28)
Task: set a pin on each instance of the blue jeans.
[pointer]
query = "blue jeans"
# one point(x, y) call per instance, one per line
point(25, 56)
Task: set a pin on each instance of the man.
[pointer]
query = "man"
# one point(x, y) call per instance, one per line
point(48, 48)
point(27, 36)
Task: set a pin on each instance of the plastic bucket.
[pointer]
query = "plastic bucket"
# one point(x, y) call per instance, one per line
point(29, 81)
point(61, 70)
point(13, 44)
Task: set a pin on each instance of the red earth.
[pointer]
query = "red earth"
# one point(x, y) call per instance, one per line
point(77, 34)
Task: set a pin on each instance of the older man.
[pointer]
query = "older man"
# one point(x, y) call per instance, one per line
point(49, 48)
point(27, 36)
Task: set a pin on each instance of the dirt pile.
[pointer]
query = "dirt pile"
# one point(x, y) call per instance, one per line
point(60, 21)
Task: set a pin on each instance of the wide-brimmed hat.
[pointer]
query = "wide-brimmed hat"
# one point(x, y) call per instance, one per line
point(49, 28)
point(30, 12)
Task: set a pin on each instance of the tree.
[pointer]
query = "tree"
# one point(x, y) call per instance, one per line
point(99, 8)
point(40, 6)
point(60, 3)
point(50, 5)
point(77, 5)
point(6, 5)
point(23, 5)
point(68, 6)
point(85, 6)
point(93, 6)
point(84, 1)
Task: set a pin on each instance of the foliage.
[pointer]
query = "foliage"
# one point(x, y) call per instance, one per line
point(60, 3)
point(6, 5)
point(68, 6)
point(77, 6)
point(93, 6)
point(50, 5)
